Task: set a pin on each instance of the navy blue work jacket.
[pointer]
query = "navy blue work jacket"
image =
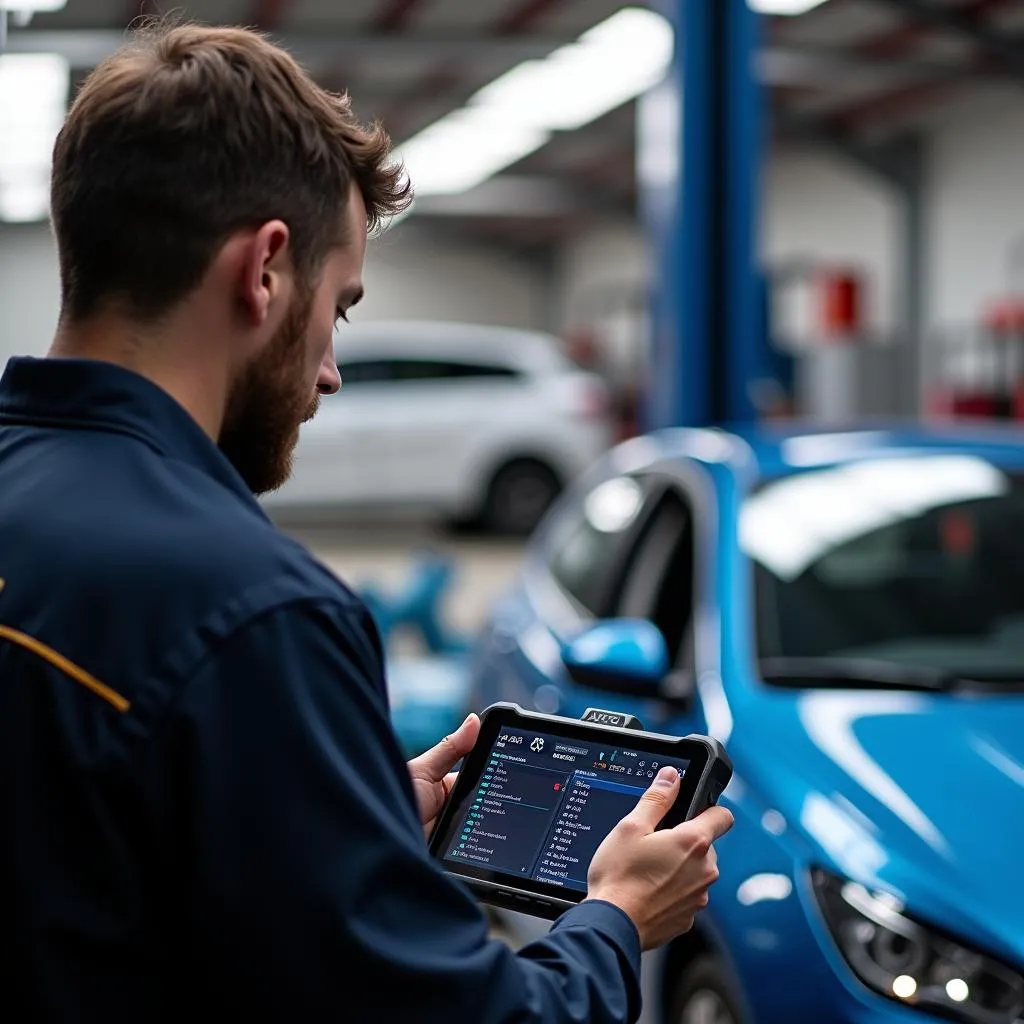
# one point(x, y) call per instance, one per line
point(203, 808)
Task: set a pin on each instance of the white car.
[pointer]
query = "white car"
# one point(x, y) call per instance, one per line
point(469, 423)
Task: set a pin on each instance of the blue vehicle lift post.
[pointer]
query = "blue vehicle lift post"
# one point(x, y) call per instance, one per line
point(709, 331)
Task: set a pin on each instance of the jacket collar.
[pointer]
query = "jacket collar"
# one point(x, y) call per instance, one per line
point(88, 394)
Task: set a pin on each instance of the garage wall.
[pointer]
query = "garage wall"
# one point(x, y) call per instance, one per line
point(408, 274)
point(29, 282)
point(821, 209)
point(816, 208)
point(976, 207)
point(612, 257)
point(603, 284)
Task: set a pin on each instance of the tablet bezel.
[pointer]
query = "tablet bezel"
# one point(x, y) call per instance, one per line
point(499, 716)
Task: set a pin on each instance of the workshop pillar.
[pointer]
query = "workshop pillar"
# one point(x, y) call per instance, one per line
point(699, 162)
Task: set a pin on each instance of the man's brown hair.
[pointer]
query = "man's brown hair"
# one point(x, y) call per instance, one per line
point(187, 134)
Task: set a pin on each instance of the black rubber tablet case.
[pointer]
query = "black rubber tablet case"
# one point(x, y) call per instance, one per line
point(552, 903)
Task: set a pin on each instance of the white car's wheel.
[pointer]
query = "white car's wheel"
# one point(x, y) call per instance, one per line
point(518, 496)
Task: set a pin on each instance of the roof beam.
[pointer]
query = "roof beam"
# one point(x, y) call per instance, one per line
point(394, 17)
point(516, 196)
point(902, 101)
point(905, 38)
point(966, 23)
point(85, 48)
point(837, 123)
point(445, 78)
point(268, 14)
point(887, 162)
point(522, 17)
point(798, 64)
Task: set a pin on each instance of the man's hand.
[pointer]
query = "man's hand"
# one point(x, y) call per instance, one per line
point(659, 878)
point(430, 771)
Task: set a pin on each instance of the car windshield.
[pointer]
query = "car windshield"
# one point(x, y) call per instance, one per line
point(890, 572)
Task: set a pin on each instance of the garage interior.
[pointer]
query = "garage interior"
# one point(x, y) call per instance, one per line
point(773, 214)
point(887, 243)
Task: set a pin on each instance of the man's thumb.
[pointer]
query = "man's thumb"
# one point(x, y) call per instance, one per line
point(660, 796)
point(440, 759)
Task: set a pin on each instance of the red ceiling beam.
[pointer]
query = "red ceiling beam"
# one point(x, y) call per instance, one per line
point(901, 41)
point(445, 78)
point(524, 16)
point(395, 16)
point(268, 14)
point(134, 9)
point(908, 98)
point(894, 103)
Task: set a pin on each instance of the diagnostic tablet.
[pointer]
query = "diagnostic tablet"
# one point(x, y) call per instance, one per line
point(538, 794)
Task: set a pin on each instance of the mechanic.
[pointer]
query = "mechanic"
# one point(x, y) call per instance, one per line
point(202, 802)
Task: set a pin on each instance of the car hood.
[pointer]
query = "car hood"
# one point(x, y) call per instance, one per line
point(921, 794)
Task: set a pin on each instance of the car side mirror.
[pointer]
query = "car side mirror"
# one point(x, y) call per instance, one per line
point(627, 656)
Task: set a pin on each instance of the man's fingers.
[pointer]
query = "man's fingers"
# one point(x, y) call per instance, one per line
point(711, 825)
point(435, 763)
point(654, 804)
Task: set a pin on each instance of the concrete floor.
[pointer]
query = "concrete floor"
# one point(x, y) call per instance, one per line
point(384, 555)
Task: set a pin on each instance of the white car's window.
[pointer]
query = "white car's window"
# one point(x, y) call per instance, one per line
point(377, 371)
point(369, 371)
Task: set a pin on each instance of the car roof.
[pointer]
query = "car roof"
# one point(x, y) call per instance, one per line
point(533, 350)
point(778, 450)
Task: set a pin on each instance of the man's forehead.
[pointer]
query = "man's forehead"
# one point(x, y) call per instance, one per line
point(355, 216)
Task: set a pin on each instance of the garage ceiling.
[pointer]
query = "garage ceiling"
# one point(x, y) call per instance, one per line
point(848, 72)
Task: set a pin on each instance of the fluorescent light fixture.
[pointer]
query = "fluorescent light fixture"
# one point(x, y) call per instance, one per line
point(35, 6)
point(611, 64)
point(784, 7)
point(618, 60)
point(33, 101)
point(463, 149)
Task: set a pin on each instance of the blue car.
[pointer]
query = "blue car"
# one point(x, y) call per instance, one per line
point(845, 611)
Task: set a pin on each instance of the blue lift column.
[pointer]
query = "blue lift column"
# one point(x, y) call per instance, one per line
point(701, 207)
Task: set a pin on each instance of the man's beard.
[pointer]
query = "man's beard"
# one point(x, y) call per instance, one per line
point(268, 404)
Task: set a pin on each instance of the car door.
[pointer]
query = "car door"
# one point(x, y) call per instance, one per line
point(344, 453)
point(661, 581)
point(655, 569)
point(449, 405)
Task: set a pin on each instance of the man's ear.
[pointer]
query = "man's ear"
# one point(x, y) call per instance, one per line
point(265, 279)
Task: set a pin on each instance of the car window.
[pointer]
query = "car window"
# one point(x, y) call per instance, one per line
point(588, 548)
point(911, 561)
point(395, 370)
point(366, 371)
point(659, 580)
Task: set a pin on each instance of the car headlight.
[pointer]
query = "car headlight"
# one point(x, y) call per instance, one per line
point(913, 964)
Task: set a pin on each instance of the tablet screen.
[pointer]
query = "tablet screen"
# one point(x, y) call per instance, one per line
point(544, 803)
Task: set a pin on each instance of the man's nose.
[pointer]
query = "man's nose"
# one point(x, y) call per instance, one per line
point(328, 380)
